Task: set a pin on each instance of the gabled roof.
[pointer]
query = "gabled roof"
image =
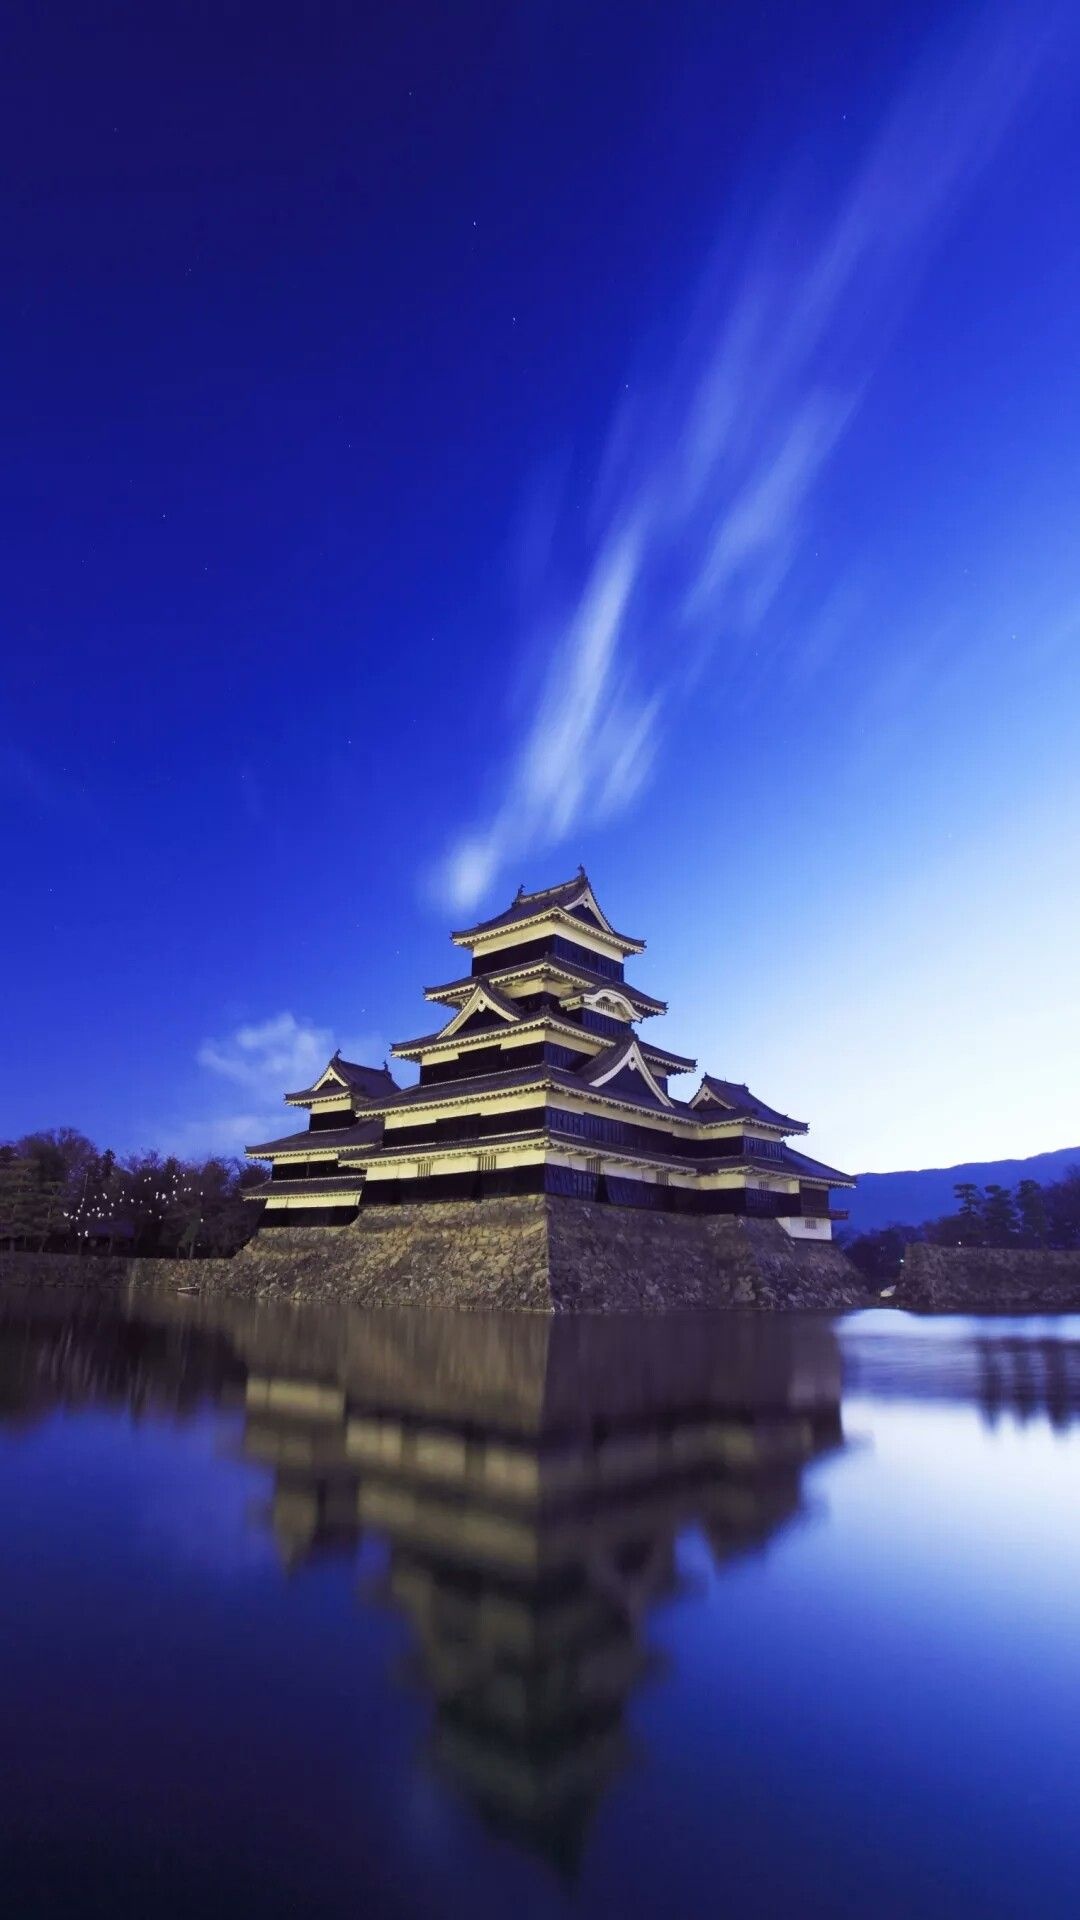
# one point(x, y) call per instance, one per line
point(663, 1059)
point(622, 1056)
point(368, 1083)
point(571, 897)
point(736, 1102)
point(544, 1021)
point(564, 969)
point(483, 995)
point(475, 1087)
point(472, 1087)
point(329, 1082)
point(601, 999)
point(486, 994)
point(371, 1082)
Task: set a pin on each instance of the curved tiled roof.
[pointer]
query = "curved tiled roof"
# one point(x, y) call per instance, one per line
point(568, 969)
point(621, 1052)
point(478, 1086)
point(371, 1083)
point(740, 1104)
point(666, 1061)
point(530, 906)
point(511, 1011)
point(340, 1183)
point(808, 1169)
point(320, 1140)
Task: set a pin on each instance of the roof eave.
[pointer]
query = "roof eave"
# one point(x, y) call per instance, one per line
point(470, 937)
point(675, 1062)
point(307, 1098)
point(593, 983)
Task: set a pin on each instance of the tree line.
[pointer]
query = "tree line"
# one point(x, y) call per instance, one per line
point(60, 1193)
point(1027, 1215)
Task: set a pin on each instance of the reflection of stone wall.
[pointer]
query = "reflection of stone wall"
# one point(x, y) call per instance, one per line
point(535, 1252)
point(98, 1274)
point(60, 1350)
point(985, 1279)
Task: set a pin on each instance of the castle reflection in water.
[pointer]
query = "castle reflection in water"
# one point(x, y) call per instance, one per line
point(528, 1480)
point(532, 1479)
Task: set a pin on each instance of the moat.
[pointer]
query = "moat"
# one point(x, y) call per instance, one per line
point(308, 1610)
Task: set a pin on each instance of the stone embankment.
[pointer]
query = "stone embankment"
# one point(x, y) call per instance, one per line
point(538, 1253)
point(546, 1255)
point(988, 1280)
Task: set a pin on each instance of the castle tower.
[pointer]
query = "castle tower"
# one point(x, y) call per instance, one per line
point(539, 1081)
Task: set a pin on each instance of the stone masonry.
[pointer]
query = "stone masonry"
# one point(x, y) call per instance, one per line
point(538, 1253)
point(989, 1280)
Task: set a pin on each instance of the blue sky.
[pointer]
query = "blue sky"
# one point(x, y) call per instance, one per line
point(450, 444)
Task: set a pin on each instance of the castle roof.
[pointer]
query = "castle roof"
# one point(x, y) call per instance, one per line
point(483, 995)
point(672, 1062)
point(573, 898)
point(548, 964)
point(445, 1037)
point(345, 1181)
point(368, 1083)
point(815, 1169)
point(322, 1140)
point(625, 1057)
point(477, 1087)
point(735, 1097)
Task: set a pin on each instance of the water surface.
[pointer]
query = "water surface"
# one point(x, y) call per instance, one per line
point(311, 1612)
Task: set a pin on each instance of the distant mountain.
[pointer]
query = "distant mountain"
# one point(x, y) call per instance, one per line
point(911, 1198)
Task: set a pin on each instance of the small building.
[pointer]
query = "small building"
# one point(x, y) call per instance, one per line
point(542, 1079)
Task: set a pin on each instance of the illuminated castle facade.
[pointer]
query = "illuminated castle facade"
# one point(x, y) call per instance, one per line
point(541, 1081)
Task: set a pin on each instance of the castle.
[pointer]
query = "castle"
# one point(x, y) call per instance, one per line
point(540, 1082)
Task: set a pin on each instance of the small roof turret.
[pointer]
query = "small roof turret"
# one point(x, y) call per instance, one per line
point(734, 1101)
point(347, 1076)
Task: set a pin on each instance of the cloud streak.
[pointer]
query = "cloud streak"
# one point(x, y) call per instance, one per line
point(704, 490)
point(270, 1057)
point(263, 1060)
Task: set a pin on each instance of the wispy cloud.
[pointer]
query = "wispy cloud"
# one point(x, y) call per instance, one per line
point(705, 489)
point(276, 1054)
point(264, 1060)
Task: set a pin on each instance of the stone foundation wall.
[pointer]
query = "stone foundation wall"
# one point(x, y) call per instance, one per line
point(544, 1254)
point(536, 1253)
point(988, 1280)
point(488, 1253)
point(619, 1259)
